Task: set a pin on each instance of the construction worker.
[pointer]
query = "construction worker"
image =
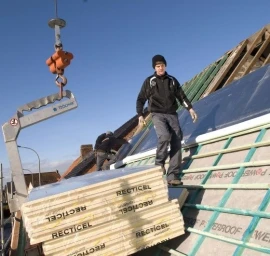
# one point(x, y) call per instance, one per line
point(162, 92)
point(104, 149)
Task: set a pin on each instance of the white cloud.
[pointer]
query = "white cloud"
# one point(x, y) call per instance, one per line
point(45, 166)
point(49, 166)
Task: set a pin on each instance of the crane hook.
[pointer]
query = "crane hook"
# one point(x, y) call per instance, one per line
point(61, 83)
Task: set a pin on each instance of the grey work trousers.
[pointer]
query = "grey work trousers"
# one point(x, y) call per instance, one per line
point(169, 133)
point(102, 157)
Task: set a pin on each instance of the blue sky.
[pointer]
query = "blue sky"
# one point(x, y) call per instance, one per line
point(113, 43)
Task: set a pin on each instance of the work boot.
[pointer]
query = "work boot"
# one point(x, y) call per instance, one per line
point(175, 182)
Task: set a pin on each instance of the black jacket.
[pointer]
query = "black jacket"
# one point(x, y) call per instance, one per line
point(108, 142)
point(161, 93)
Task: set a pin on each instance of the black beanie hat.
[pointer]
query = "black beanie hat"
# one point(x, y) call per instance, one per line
point(158, 58)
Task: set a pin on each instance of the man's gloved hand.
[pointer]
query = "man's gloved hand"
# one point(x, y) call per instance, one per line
point(141, 121)
point(193, 115)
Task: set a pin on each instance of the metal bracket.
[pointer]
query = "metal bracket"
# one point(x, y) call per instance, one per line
point(45, 101)
point(12, 128)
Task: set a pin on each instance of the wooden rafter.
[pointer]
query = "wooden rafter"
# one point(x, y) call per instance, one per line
point(245, 57)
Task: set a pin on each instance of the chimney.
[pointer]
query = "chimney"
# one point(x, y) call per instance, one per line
point(85, 150)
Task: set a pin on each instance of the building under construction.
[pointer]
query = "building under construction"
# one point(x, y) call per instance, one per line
point(226, 170)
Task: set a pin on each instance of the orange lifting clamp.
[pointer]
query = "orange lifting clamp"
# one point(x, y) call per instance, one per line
point(57, 63)
point(60, 59)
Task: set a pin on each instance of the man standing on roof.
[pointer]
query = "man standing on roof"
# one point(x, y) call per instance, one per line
point(104, 149)
point(162, 92)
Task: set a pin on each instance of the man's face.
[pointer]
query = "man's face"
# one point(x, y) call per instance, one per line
point(160, 69)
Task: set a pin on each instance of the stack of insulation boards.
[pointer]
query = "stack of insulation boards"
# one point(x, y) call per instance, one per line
point(115, 212)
